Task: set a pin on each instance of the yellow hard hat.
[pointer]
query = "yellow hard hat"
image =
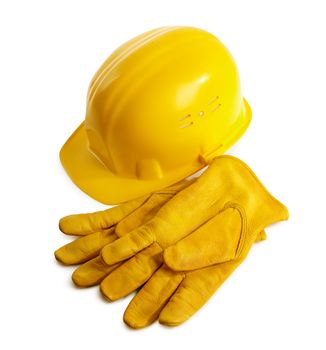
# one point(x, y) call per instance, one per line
point(159, 108)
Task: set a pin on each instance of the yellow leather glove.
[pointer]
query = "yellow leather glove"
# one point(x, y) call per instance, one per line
point(173, 294)
point(227, 178)
point(99, 228)
point(94, 270)
point(197, 265)
point(148, 303)
point(228, 183)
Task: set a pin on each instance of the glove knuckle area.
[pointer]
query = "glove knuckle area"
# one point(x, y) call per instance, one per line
point(127, 246)
point(92, 272)
point(132, 274)
point(143, 214)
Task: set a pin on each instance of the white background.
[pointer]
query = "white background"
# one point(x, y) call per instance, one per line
point(49, 51)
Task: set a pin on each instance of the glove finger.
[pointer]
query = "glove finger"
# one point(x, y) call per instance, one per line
point(147, 304)
point(142, 214)
point(194, 291)
point(84, 224)
point(214, 242)
point(127, 246)
point(132, 274)
point(92, 272)
point(147, 211)
point(84, 248)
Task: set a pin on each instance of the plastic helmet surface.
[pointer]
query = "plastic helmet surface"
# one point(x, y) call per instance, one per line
point(159, 108)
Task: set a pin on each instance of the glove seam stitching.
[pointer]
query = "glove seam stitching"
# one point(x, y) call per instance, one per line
point(243, 231)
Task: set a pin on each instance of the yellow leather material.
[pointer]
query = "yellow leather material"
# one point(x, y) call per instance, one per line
point(100, 228)
point(173, 295)
point(85, 248)
point(227, 183)
point(95, 234)
point(237, 207)
point(198, 264)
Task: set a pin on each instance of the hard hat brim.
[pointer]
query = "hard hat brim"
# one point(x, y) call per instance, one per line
point(97, 181)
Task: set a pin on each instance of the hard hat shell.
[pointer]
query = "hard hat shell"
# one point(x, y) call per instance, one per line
point(159, 109)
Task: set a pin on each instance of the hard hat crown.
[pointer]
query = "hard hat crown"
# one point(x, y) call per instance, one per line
point(161, 101)
point(162, 106)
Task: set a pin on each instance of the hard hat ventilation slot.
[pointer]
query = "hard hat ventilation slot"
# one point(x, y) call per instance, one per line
point(213, 100)
point(186, 125)
point(185, 117)
point(215, 108)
